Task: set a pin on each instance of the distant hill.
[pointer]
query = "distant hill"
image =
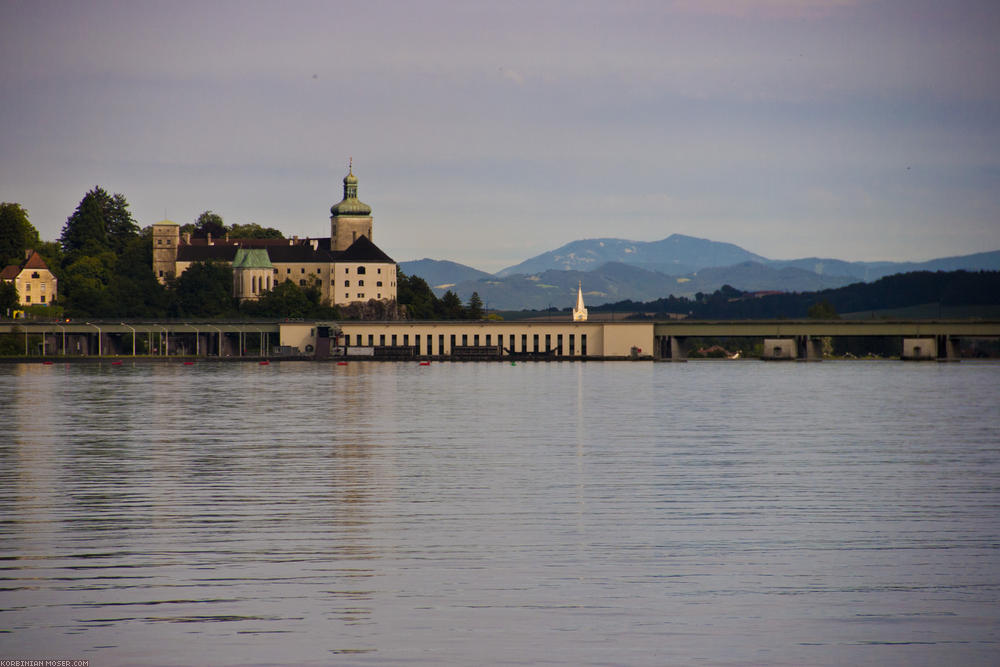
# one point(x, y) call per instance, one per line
point(675, 255)
point(619, 269)
point(615, 281)
point(441, 272)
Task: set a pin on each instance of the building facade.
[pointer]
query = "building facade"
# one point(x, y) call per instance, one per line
point(35, 284)
point(347, 266)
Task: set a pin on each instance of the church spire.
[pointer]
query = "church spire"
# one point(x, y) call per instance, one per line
point(579, 312)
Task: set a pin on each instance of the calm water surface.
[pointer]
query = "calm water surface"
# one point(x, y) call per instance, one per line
point(733, 513)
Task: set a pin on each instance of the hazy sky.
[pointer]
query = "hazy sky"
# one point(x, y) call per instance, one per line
point(486, 133)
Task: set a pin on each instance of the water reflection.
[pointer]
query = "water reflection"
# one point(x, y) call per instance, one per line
point(465, 513)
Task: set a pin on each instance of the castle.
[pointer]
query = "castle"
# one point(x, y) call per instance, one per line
point(347, 266)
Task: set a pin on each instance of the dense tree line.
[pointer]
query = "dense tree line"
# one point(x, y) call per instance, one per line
point(947, 288)
point(104, 264)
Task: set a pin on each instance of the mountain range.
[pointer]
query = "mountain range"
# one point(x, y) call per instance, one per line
point(617, 269)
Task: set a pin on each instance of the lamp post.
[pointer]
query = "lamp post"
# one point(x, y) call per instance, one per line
point(220, 338)
point(63, 337)
point(133, 336)
point(98, 336)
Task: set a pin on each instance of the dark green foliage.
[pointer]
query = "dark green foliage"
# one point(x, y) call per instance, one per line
point(134, 290)
point(8, 298)
point(204, 290)
point(100, 222)
point(822, 310)
point(17, 234)
point(474, 311)
point(254, 231)
point(951, 288)
point(414, 293)
point(209, 223)
point(451, 307)
point(288, 300)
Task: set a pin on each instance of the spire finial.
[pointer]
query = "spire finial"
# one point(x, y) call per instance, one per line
point(350, 165)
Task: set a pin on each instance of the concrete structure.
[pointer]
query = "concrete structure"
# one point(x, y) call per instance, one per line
point(35, 284)
point(579, 311)
point(347, 266)
point(462, 339)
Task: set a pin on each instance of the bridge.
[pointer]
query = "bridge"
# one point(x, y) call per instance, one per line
point(922, 339)
point(549, 338)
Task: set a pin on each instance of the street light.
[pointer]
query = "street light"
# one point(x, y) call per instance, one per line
point(98, 336)
point(63, 337)
point(133, 336)
point(220, 337)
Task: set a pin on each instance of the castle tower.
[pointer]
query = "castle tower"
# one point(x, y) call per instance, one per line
point(166, 238)
point(351, 218)
point(579, 312)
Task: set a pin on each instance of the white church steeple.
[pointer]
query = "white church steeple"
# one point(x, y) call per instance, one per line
point(579, 312)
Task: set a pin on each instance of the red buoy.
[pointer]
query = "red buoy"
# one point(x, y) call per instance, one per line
point(265, 363)
point(189, 363)
point(425, 363)
point(341, 363)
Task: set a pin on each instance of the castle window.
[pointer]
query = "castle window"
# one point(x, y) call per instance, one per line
point(347, 296)
point(361, 283)
point(43, 298)
point(302, 283)
point(361, 270)
point(379, 270)
point(378, 284)
point(347, 269)
point(317, 271)
point(288, 270)
point(276, 270)
point(379, 295)
point(303, 269)
point(159, 241)
point(27, 299)
point(161, 273)
point(361, 296)
point(347, 283)
point(34, 274)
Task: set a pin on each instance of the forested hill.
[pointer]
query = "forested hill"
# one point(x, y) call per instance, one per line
point(952, 288)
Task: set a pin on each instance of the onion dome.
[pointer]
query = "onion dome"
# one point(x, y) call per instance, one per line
point(350, 205)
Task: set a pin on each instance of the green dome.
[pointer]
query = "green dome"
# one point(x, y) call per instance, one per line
point(351, 205)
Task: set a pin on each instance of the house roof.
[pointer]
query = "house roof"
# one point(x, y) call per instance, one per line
point(34, 261)
point(363, 250)
point(10, 272)
point(302, 250)
point(251, 258)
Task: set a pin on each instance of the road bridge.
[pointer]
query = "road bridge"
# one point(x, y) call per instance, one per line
point(801, 339)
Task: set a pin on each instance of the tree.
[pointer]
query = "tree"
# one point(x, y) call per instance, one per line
point(474, 311)
point(204, 290)
point(8, 298)
point(285, 300)
point(17, 234)
point(414, 293)
point(100, 222)
point(451, 307)
point(254, 231)
point(822, 310)
point(209, 223)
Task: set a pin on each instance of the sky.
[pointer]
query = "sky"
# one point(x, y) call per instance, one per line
point(488, 132)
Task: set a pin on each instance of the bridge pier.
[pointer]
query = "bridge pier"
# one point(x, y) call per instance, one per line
point(779, 349)
point(919, 349)
point(671, 348)
point(947, 348)
point(809, 348)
